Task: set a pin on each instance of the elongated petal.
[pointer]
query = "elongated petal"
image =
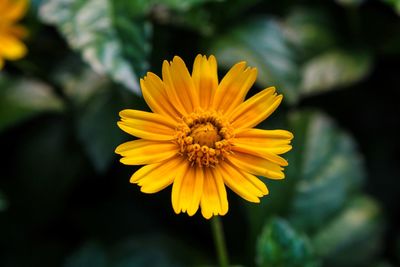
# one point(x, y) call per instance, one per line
point(273, 140)
point(259, 151)
point(205, 79)
point(155, 177)
point(17, 31)
point(141, 151)
point(1, 62)
point(154, 92)
point(178, 197)
point(186, 193)
point(233, 88)
point(147, 125)
point(244, 184)
point(11, 48)
point(214, 198)
point(255, 109)
point(13, 10)
point(257, 165)
point(180, 87)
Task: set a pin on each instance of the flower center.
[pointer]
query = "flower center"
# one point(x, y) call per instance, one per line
point(204, 138)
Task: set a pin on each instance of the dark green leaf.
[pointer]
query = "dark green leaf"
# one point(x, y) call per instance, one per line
point(326, 165)
point(350, 2)
point(90, 254)
point(91, 28)
point(97, 124)
point(24, 98)
point(262, 43)
point(151, 250)
point(3, 202)
point(279, 245)
point(334, 69)
point(353, 238)
point(310, 30)
point(395, 4)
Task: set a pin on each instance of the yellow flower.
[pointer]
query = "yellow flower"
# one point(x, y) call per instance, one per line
point(11, 48)
point(200, 136)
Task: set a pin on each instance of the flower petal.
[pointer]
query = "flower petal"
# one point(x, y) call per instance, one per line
point(13, 10)
point(155, 177)
point(1, 62)
point(11, 48)
point(140, 152)
point(180, 87)
point(257, 165)
point(183, 175)
point(244, 184)
point(275, 141)
point(214, 198)
point(233, 88)
point(186, 193)
point(255, 109)
point(147, 125)
point(258, 150)
point(154, 92)
point(205, 79)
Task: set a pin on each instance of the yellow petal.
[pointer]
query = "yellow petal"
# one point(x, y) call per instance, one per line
point(275, 141)
point(233, 88)
point(214, 198)
point(190, 191)
point(1, 63)
point(257, 165)
point(258, 150)
point(17, 31)
point(182, 176)
point(155, 177)
point(154, 92)
point(180, 87)
point(205, 79)
point(147, 125)
point(255, 109)
point(141, 151)
point(244, 184)
point(13, 10)
point(11, 48)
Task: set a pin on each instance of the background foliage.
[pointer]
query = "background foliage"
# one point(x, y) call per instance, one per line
point(66, 201)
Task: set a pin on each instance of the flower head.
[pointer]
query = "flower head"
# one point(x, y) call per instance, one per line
point(200, 136)
point(11, 48)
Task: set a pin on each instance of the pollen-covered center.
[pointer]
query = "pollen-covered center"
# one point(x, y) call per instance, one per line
point(204, 138)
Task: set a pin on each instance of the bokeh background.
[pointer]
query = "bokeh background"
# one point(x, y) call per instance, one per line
point(65, 200)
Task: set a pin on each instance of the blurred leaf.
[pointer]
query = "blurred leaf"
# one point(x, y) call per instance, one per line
point(151, 250)
point(334, 69)
point(382, 264)
point(23, 98)
point(78, 82)
point(92, 28)
point(280, 246)
point(97, 125)
point(3, 202)
point(42, 166)
point(326, 165)
point(261, 42)
point(350, 2)
point(310, 30)
point(395, 4)
point(90, 254)
point(354, 237)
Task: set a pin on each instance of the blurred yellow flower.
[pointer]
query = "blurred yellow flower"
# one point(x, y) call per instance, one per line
point(200, 136)
point(11, 48)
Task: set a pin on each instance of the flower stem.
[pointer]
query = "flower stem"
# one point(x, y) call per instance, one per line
point(219, 241)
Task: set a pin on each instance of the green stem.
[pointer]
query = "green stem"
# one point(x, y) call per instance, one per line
point(219, 241)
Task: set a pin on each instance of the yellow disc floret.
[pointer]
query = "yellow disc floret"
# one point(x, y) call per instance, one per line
point(204, 138)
